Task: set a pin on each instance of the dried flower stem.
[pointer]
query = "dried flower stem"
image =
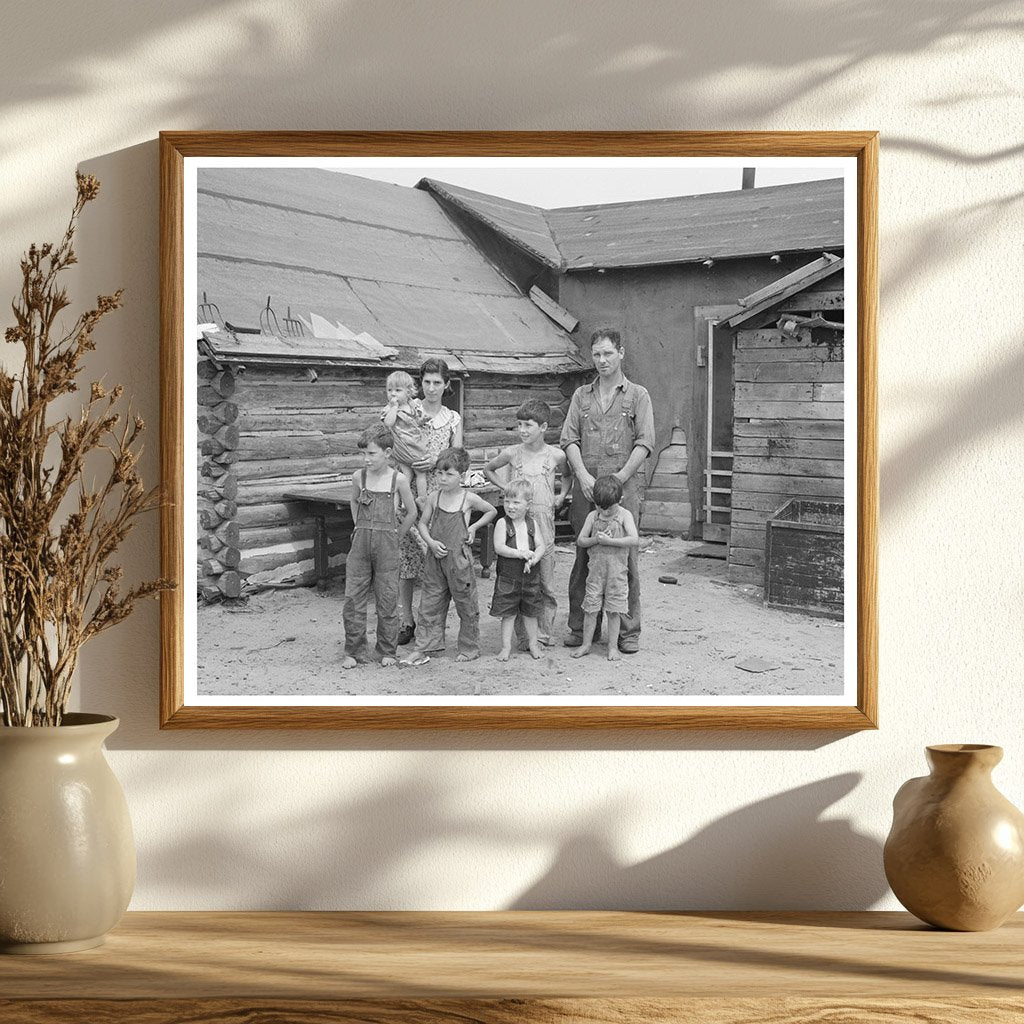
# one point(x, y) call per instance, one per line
point(57, 586)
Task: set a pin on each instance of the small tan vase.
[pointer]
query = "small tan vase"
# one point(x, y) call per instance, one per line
point(955, 854)
point(67, 856)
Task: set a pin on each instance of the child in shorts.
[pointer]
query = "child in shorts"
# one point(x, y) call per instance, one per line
point(448, 573)
point(517, 588)
point(403, 416)
point(610, 531)
point(537, 462)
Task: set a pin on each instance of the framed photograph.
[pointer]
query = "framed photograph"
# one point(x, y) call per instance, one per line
point(519, 430)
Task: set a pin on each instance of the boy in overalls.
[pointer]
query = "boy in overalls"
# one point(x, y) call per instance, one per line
point(517, 588)
point(608, 431)
point(537, 462)
point(372, 561)
point(448, 573)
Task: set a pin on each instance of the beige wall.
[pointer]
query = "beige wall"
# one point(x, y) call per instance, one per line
point(629, 820)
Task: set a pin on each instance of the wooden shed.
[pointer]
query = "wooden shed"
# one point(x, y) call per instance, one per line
point(784, 369)
point(315, 286)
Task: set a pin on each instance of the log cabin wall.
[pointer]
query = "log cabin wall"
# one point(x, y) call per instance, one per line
point(270, 429)
point(788, 434)
point(490, 402)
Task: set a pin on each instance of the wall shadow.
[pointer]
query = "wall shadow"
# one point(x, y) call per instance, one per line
point(776, 854)
point(780, 853)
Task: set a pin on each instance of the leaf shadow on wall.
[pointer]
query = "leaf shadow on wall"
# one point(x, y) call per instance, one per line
point(408, 843)
point(778, 853)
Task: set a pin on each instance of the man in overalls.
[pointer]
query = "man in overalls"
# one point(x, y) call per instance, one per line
point(609, 430)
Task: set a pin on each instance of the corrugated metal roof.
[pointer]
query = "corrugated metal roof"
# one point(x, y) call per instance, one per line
point(377, 258)
point(681, 229)
point(687, 229)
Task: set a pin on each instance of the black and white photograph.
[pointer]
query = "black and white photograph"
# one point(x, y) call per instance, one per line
point(524, 431)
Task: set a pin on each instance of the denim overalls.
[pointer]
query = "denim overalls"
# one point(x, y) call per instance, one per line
point(446, 580)
point(607, 438)
point(542, 507)
point(516, 591)
point(372, 562)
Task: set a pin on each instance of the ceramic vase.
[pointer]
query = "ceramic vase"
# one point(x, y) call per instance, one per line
point(67, 855)
point(955, 855)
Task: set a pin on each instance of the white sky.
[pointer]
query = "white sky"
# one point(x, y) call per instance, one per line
point(583, 182)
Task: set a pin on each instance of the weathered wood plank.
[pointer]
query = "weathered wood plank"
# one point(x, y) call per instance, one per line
point(673, 495)
point(747, 537)
point(758, 501)
point(807, 353)
point(828, 392)
point(794, 486)
point(813, 300)
point(492, 417)
point(814, 371)
point(288, 421)
point(273, 557)
point(789, 410)
point(783, 466)
point(304, 396)
point(671, 481)
point(789, 447)
point(666, 509)
point(289, 469)
point(260, 492)
point(475, 395)
point(773, 427)
point(274, 513)
point(267, 444)
point(740, 573)
point(753, 557)
point(678, 525)
point(758, 391)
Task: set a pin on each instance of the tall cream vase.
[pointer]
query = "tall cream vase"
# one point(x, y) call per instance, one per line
point(67, 854)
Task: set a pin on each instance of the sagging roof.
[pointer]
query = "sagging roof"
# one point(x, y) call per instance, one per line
point(806, 216)
point(756, 303)
point(378, 261)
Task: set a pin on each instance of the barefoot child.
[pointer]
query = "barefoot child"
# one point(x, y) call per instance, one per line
point(403, 416)
point(537, 462)
point(610, 532)
point(517, 588)
point(448, 574)
point(372, 562)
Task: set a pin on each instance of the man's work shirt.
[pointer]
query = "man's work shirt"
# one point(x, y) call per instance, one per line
point(607, 435)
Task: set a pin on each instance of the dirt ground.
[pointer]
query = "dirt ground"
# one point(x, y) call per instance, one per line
point(696, 637)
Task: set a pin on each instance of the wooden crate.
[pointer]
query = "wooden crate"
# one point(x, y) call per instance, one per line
point(803, 565)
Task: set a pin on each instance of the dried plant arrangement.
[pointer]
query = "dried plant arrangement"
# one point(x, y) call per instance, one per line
point(58, 531)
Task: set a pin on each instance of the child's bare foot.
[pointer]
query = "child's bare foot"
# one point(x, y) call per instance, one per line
point(349, 662)
point(504, 654)
point(387, 661)
point(581, 652)
point(535, 652)
point(465, 657)
point(613, 654)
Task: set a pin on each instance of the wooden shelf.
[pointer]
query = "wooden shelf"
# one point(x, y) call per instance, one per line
point(548, 967)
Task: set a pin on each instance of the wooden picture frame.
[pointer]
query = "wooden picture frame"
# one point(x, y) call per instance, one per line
point(859, 711)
